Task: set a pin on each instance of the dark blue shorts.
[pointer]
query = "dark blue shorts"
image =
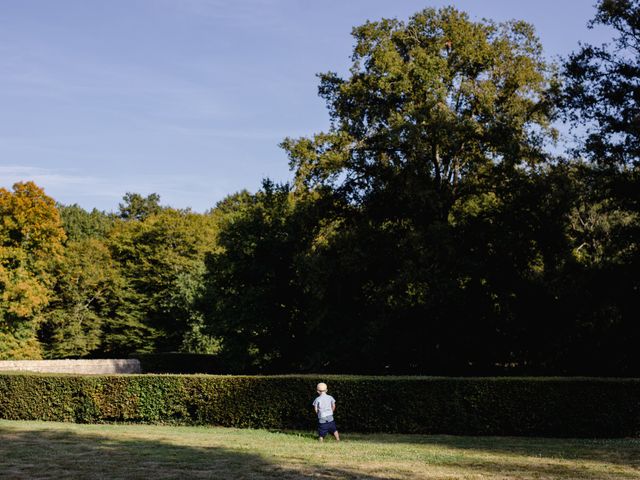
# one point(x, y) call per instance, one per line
point(324, 428)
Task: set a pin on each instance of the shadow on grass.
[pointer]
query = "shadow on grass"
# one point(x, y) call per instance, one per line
point(67, 452)
point(624, 452)
point(64, 454)
point(510, 457)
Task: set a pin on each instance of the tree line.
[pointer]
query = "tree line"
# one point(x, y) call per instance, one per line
point(430, 229)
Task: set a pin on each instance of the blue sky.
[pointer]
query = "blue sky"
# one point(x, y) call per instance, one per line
point(189, 98)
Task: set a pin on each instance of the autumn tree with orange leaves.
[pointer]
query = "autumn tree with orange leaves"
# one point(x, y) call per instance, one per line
point(31, 240)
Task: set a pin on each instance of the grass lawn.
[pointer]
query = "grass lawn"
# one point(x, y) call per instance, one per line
point(31, 450)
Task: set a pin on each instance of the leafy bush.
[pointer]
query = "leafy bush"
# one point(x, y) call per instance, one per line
point(580, 407)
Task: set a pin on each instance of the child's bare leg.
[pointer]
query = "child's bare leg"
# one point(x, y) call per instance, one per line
point(337, 435)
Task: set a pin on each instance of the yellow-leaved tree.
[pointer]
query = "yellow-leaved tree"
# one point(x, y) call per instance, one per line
point(31, 241)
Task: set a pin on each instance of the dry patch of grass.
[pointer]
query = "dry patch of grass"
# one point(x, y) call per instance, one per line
point(39, 450)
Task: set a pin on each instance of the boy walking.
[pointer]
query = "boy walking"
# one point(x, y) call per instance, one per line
point(324, 406)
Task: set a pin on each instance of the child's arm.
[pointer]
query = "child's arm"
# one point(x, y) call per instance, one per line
point(333, 406)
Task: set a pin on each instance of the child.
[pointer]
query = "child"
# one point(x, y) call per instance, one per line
point(324, 406)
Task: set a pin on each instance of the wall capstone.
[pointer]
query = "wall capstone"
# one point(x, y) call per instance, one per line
point(101, 366)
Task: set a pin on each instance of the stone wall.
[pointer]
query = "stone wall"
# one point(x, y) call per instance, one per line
point(72, 366)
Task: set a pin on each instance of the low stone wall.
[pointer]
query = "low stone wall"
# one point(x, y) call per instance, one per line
point(102, 366)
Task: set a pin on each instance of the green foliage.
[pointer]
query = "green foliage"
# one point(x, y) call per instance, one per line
point(601, 99)
point(87, 291)
point(601, 94)
point(79, 224)
point(182, 363)
point(253, 296)
point(137, 207)
point(112, 288)
point(427, 231)
point(580, 407)
point(429, 102)
point(437, 116)
point(31, 240)
point(162, 262)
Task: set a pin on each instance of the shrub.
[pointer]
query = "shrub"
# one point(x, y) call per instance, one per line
point(579, 407)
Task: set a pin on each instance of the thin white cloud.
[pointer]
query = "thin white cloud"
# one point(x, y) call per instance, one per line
point(17, 173)
point(105, 193)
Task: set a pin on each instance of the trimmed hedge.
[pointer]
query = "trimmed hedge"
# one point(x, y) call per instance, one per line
point(180, 363)
point(566, 407)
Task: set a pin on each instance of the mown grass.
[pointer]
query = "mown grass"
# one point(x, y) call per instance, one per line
point(34, 450)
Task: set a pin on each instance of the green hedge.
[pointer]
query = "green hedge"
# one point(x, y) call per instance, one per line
point(180, 363)
point(576, 407)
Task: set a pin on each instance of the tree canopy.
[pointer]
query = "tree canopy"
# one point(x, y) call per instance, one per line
point(602, 90)
point(429, 230)
point(31, 239)
point(429, 102)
